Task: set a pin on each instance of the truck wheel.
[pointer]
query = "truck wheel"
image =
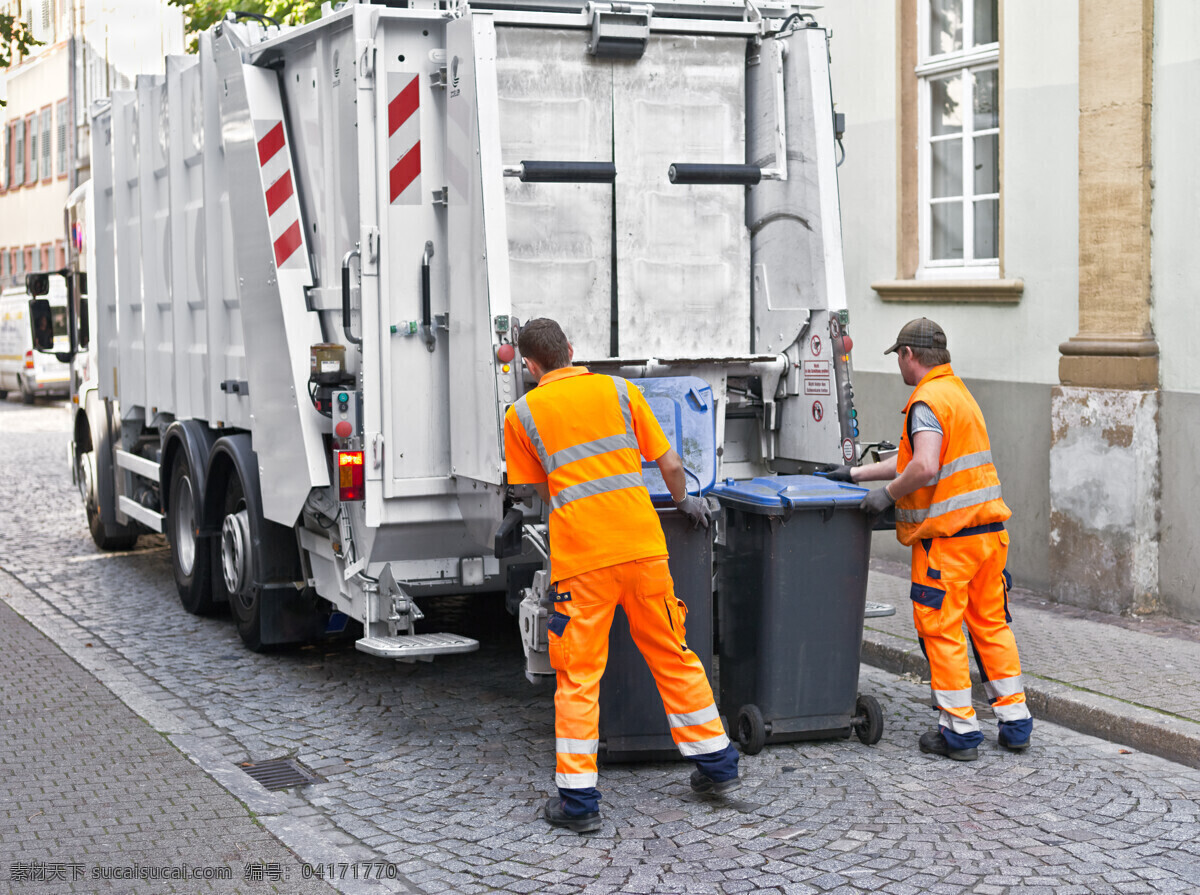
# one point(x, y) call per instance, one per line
point(233, 554)
point(27, 394)
point(106, 537)
point(3, 394)
point(191, 559)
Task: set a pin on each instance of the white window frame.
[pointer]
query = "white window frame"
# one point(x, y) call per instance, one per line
point(18, 150)
point(32, 149)
point(965, 63)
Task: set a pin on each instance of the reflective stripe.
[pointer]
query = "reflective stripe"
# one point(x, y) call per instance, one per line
point(589, 449)
point(1015, 712)
point(704, 747)
point(1005, 686)
point(966, 461)
point(576, 781)
point(957, 724)
point(623, 400)
point(953, 699)
point(576, 747)
point(957, 502)
point(596, 486)
point(525, 415)
point(688, 719)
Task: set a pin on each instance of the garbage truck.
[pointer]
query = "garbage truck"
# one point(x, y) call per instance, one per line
point(299, 270)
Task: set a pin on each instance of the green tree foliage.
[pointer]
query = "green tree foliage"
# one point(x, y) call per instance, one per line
point(15, 40)
point(200, 15)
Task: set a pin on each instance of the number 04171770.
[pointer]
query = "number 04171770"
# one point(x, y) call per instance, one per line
point(347, 870)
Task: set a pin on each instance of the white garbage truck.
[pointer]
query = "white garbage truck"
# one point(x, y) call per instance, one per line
point(299, 269)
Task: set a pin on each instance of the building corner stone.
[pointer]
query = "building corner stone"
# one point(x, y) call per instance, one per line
point(1105, 494)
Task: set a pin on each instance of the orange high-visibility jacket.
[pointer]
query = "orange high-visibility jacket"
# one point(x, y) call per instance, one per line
point(585, 434)
point(966, 490)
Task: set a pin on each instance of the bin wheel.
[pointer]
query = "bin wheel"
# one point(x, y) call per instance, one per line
point(751, 729)
point(868, 723)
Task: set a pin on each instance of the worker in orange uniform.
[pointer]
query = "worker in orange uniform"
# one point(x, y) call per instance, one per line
point(949, 510)
point(579, 439)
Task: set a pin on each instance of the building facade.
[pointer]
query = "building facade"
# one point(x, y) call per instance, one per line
point(1024, 173)
point(87, 49)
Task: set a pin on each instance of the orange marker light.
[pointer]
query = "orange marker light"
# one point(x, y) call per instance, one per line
point(350, 475)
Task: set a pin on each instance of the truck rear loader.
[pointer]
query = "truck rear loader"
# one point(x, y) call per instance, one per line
point(299, 270)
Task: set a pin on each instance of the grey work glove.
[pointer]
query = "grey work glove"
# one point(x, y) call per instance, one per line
point(695, 508)
point(877, 502)
point(835, 472)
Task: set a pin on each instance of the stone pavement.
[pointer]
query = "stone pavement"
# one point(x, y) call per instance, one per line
point(439, 769)
point(92, 799)
point(1130, 680)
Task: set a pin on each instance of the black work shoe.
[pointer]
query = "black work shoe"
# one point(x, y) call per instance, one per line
point(1014, 747)
point(556, 816)
point(706, 785)
point(934, 743)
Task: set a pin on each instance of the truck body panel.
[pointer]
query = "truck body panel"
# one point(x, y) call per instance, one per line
point(368, 183)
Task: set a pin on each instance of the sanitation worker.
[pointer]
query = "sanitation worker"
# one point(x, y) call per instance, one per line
point(949, 510)
point(579, 439)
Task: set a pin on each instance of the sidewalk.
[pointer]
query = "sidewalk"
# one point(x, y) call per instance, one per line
point(1126, 680)
point(92, 799)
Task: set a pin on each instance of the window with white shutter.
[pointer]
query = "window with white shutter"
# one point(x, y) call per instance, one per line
point(47, 148)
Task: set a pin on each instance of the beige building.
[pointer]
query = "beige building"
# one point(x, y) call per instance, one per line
point(1024, 173)
point(88, 48)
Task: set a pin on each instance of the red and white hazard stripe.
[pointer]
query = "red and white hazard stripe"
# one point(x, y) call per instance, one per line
point(404, 139)
point(283, 207)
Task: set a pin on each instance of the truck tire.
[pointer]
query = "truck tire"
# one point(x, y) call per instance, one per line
point(106, 537)
point(27, 394)
point(3, 394)
point(233, 557)
point(191, 555)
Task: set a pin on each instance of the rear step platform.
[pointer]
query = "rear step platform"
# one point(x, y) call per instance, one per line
point(408, 647)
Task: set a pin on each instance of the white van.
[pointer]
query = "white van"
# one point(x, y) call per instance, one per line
point(22, 369)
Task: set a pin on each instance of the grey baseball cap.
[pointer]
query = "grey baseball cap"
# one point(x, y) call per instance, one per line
point(919, 333)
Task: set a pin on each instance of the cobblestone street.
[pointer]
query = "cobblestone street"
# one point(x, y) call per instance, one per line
point(441, 768)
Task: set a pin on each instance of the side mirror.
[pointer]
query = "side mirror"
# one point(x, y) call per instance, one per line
point(41, 321)
point(37, 284)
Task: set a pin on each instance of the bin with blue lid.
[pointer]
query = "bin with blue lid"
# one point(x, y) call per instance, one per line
point(791, 592)
point(633, 724)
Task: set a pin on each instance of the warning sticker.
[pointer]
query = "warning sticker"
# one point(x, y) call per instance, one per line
point(848, 449)
point(817, 368)
point(818, 411)
point(814, 345)
point(817, 387)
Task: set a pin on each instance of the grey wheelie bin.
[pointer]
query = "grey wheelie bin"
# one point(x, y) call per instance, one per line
point(791, 592)
point(633, 723)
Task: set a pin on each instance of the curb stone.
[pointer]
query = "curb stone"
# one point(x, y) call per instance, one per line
point(1146, 730)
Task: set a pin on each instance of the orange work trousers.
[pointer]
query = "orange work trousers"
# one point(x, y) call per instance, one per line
point(578, 632)
point(959, 579)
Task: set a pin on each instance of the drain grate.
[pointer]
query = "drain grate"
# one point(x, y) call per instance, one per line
point(280, 773)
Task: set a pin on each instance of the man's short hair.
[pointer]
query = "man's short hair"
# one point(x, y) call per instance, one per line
point(542, 340)
point(930, 357)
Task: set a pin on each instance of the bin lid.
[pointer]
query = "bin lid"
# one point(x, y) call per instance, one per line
point(777, 494)
point(684, 407)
